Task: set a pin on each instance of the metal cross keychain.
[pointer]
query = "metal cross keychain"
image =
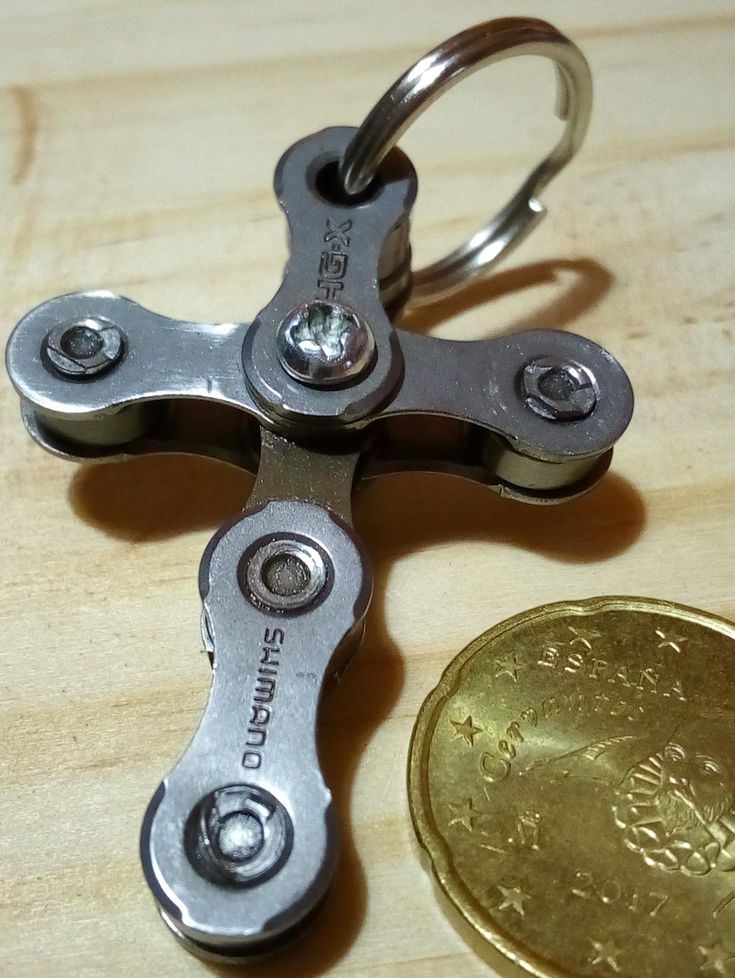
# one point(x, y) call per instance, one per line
point(319, 392)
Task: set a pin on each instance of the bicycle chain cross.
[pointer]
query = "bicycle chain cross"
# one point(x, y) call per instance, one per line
point(320, 391)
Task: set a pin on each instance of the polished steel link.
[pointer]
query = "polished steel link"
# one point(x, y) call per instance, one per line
point(257, 853)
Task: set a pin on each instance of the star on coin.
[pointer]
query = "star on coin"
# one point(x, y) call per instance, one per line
point(508, 667)
point(606, 952)
point(463, 813)
point(715, 958)
point(466, 729)
point(583, 636)
point(675, 642)
point(513, 897)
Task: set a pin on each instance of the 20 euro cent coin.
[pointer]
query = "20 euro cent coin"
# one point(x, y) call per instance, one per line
point(572, 779)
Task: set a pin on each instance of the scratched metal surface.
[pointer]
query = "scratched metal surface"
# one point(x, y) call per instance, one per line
point(138, 143)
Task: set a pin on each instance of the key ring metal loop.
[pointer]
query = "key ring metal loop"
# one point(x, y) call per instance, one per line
point(429, 78)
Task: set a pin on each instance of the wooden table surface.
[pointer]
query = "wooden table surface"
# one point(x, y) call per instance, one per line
point(138, 144)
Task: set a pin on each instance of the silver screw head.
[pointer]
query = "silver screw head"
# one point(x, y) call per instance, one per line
point(238, 834)
point(559, 390)
point(325, 344)
point(83, 348)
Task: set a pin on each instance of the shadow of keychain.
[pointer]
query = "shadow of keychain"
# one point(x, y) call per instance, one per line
point(239, 842)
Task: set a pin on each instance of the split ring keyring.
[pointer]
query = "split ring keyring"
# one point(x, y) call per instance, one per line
point(429, 78)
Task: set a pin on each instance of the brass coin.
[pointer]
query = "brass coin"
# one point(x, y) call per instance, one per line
point(572, 779)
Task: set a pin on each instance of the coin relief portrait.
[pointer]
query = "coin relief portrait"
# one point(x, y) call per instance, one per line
point(677, 807)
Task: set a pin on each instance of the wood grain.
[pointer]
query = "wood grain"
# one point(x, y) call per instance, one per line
point(137, 143)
